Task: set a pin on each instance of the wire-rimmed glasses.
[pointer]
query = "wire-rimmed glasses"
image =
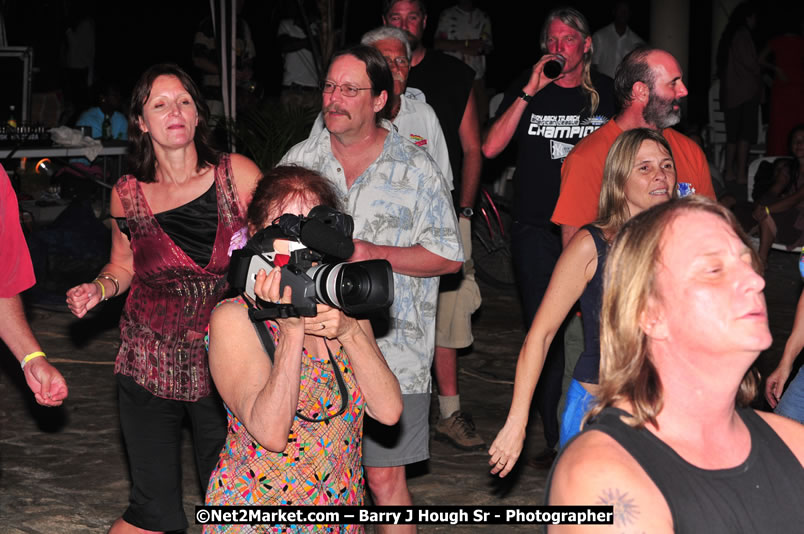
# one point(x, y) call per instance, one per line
point(346, 89)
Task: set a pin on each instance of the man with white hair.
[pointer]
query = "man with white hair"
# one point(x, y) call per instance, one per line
point(445, 83)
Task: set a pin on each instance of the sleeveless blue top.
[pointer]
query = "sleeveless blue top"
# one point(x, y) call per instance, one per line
point(588, 366)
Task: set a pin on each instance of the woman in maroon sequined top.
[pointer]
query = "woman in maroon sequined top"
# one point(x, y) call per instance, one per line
point(176, 215)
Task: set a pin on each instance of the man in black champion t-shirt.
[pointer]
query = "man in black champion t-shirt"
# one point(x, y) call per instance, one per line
point(546, 117)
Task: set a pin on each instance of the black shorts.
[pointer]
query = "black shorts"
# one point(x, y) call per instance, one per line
point(742, 122)
point(152, 431)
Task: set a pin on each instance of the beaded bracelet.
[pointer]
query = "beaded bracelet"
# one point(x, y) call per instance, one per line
point(103, 289)
point(31, 356)
point(113, 279)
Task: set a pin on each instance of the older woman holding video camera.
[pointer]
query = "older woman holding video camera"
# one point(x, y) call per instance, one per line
point(639, 173)
point(295, 417)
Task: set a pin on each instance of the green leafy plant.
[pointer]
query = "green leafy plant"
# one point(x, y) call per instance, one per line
point(267, 131)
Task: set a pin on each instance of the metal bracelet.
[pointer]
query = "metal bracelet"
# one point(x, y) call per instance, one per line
point(113, 279)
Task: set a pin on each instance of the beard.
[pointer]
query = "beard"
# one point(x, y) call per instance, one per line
point(414, 41)
point(660, 112)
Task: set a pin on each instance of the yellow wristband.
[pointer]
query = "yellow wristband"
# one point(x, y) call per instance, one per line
point(31, 356)
point(103, 289)
point(113, 279)
point(767, 210)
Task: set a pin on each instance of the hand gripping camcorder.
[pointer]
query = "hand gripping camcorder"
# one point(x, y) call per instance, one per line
point(313, 267)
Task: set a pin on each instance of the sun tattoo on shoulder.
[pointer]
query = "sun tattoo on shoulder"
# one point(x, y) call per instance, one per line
point(625, 509)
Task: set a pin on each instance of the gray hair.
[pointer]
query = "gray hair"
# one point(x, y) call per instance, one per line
point(633, 68)
point(387, 32)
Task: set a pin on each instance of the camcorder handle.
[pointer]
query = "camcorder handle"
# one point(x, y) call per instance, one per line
point(270, 310)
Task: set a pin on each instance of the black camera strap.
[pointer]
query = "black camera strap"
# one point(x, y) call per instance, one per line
point(268, 343)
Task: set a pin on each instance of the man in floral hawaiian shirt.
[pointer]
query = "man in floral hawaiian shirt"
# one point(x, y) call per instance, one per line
point(403, 213)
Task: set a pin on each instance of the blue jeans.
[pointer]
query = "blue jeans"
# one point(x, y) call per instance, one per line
point(792, 402)
point(535, 251)
point(579, 401)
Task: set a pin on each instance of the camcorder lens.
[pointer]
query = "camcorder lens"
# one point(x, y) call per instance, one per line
point(347, 286)
point(359, 287)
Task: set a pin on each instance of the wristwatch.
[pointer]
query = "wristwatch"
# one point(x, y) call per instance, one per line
point(525, 96)
point(466, 211)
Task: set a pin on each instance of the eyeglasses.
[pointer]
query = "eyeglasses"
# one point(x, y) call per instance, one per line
point(346, 90)
point(400, 62)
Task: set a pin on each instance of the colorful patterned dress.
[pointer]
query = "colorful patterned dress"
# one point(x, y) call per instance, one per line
point(321, 464)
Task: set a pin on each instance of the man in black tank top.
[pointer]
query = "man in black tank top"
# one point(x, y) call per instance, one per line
point(672, 444)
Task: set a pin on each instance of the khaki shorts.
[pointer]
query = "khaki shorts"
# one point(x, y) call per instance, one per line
point(455, 307)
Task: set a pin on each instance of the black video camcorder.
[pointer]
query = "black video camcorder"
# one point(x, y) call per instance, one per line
point(314, 270)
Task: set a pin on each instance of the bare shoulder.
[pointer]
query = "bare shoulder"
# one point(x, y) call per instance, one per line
point(115, 204)
point(791, 432)
point(241, 163)
point(592, 456)
point(596, 470)
point(228, 313)
point(245, 174)
point(234, 346)
point(582, 243)
point(237, 361)
point(229, 322)
point(581, 251)
point(244, 170)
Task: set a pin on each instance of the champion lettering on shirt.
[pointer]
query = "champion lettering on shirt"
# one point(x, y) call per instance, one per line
point(569, 127)
point(418, 140)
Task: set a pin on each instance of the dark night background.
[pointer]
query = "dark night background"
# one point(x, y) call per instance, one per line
point(133, 35)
